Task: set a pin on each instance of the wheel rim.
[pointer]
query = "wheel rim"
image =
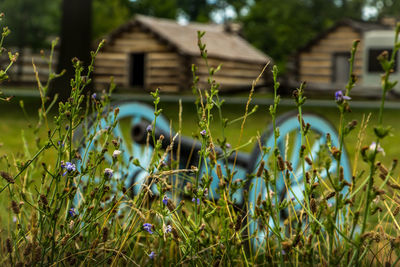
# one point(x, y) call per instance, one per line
point(127, 173)
point(290, 130)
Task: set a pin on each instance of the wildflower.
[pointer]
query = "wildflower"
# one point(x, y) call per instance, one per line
point(94, 95)
point(68, 166)
point(60, 144)
point(228, 146)
point(165, 200)
point(72, 212)
point(203, 133)
point(116, 153)
point(147, 227)
point(198, 200)
point(378, 148)
point(271, 193)
point(339, 97)
point(149, 128)
point(152, 255)
point(108, 172)
point(168, 229)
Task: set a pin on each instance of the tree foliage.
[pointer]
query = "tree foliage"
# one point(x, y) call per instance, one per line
point(108, 15)
point(31, 22)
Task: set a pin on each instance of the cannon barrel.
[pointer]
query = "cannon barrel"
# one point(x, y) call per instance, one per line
point(188, 146)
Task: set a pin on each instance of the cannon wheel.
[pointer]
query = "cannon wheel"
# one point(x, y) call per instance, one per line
point(289, 144)
point(130, 114)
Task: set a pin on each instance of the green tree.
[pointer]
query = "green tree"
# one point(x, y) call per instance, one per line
point(196, 10)
point(109, 14)
point(279, 28)
point(32, 22)
point(386, 8)
point(156, 8)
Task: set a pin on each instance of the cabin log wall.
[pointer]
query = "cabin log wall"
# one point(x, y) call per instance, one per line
point(22, 71)
point(232, 75)
point(316, 64)
point(163, 66)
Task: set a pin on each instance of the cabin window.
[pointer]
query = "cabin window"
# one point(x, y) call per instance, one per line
point(136, 75)
point(341, 67)
point(373, 63)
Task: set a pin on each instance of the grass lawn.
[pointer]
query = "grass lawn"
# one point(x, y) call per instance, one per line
point(16, 124)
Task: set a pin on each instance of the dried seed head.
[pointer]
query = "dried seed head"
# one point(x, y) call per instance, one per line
point(396, 211)
point(65, 239)
point(15, 207)
point(170, 205)
point(43, 199)
point(28, 249)
point(302, 149)
point(259, 199)
point(238, 222)
point(219, 171)
point(341, 174)
point(313, 205)
point(382, 169)
point(260, 169)
point(394, 186)
point(307, 177)
point(9, 246)
point(330, 195)
point(175, 233)
point(281, 163)
point(7, 177)
point(289, 166)
point(308, 160)
point(314, 185)
point(105, 234)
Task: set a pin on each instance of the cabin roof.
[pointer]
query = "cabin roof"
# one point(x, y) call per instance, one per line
point(358, 26)
point(220, 43)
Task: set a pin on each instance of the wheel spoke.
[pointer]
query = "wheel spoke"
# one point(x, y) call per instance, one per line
point(294, 159)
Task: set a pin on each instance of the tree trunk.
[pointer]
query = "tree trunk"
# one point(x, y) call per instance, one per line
point(75, 42)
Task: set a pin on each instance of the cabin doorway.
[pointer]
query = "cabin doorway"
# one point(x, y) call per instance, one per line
point(341, 67)
point(136, 69)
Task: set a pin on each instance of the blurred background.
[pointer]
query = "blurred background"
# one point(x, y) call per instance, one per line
point(278, 28)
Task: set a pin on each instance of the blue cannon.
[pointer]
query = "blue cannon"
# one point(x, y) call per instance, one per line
point(134, 144)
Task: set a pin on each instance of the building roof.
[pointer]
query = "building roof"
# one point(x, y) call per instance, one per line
point(358, 26)
point(220, 43)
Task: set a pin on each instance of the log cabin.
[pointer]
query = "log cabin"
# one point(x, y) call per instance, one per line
point(324, 62)
point(148, 53)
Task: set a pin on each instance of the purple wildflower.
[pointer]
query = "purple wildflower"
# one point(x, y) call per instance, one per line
point(203, 133)
point(165, 200)
point(198, 200)
point(152, 255)
point(149, 128)
point(228, 146)
point(94, 95)
point(108, 172)
point(116, 153)
point(147, 227)
point(168, 229)
point(378, 148)
point(68, 166)
point(72, 212)
point(339, 97)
